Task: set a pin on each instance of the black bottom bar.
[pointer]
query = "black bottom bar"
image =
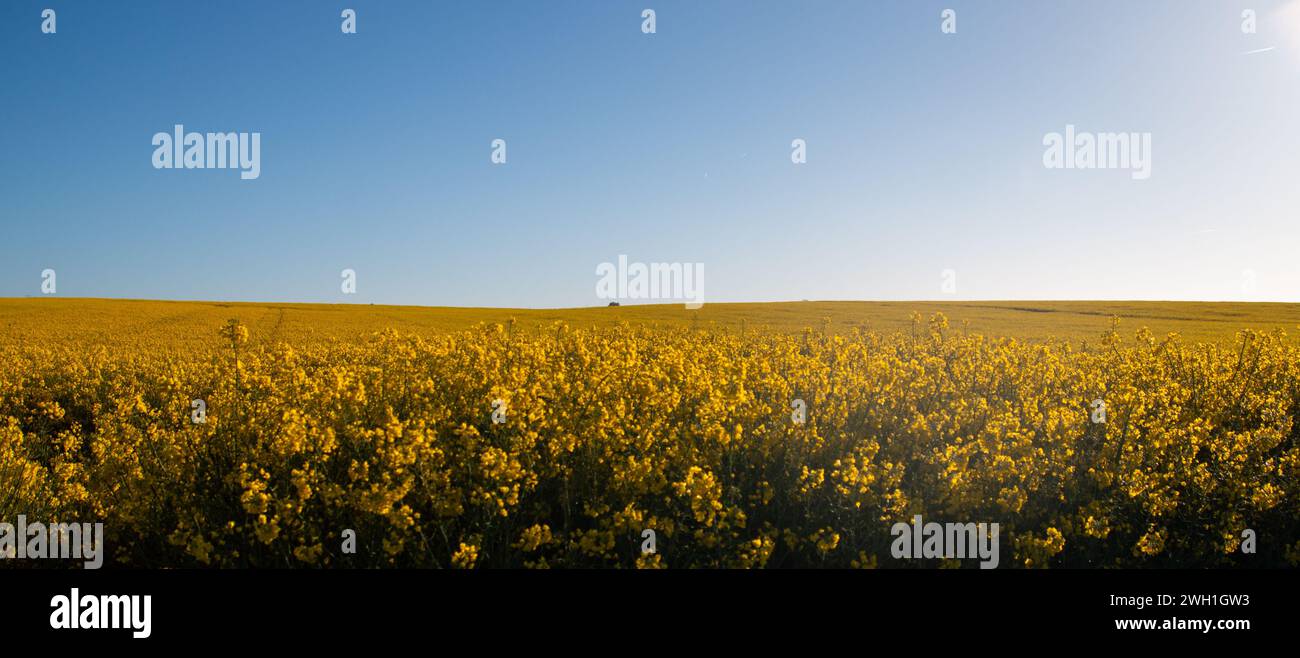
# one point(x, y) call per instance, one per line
point(337, 608)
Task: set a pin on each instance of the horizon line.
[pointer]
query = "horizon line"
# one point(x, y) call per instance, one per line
point(658, 304)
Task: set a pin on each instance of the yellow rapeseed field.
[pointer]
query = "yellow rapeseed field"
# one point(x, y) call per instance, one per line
point(515, 438)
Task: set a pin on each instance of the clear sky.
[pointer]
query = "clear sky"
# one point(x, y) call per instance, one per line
point(924, 149)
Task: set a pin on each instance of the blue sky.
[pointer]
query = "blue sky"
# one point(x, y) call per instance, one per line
point(924, 149)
